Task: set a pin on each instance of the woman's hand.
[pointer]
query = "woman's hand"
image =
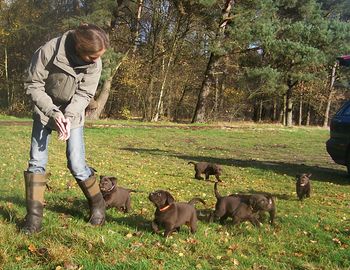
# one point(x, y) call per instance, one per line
point(63, 127)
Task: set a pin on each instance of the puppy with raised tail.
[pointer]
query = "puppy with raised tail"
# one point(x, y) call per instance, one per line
point(170, 214)
point(243, 207)
point(225, 205)
point(115, 196)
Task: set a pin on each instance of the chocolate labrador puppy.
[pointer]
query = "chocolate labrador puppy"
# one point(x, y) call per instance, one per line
point(303, 185)
point(261, 203)
point(207, 169)
point(115, 196)
point(245, 212)
point(253, 209)
point(170, 214)
point(225, 205)
point(243, 207)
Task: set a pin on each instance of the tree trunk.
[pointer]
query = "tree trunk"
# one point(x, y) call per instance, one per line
point(222, 93)
point(216, 101)
point(308, 115)
point(274, 113)
point(199, 113)
point(300, 109)
point(148, 100)
point(260, 111)
point(100, 102)
point(165, 77)
point(289, 103)
point(330, 95)
point(283, 111)
point(8, 94)
point(178, 105)
point(137, 27)
point(76, 7)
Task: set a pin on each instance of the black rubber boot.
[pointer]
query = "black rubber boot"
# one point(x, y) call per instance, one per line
point(94, 196)
point(35, 187)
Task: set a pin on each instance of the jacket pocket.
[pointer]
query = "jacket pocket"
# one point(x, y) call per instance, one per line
point(60, 87)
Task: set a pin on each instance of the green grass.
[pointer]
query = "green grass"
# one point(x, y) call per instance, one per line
point(313, 234)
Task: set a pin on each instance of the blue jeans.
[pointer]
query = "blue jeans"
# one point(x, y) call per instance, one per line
point(75, 151)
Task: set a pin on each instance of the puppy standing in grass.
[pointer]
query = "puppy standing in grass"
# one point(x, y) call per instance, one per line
point(207, 169)
point(115, 196)
point(252, 207)
point(172, 215)
point(225, 206)
point(262, 203)
point(243, 207)
point(303, 185)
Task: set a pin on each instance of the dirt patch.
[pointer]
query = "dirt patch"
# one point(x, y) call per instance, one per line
point(16, 123)
point(92, 125)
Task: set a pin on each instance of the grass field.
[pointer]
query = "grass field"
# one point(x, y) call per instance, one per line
point(313, 234)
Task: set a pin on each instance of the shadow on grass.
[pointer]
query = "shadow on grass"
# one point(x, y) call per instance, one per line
point(8, 212)
point(280, 167)
point(134, 221)
point(78, 208)
point(286, 197)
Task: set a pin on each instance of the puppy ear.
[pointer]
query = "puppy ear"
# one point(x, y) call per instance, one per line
point(169, 198)
point(113, 180)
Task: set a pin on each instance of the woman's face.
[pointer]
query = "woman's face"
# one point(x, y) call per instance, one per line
point(91, 57)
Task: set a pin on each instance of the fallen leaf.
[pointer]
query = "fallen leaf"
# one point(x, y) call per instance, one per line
point(9, 205)
point(313, 241)
point(235, 261)
point(233, 247)
point(69, 266)
point(32, 248)
point(337, 241)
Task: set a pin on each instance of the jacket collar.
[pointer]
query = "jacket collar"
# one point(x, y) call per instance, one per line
point(62, 62)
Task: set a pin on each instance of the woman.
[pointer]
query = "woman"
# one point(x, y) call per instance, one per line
point(62, 78)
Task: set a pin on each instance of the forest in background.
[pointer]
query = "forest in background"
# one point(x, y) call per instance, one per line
point(193, 60)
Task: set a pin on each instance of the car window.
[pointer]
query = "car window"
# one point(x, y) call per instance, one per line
point(346, 111)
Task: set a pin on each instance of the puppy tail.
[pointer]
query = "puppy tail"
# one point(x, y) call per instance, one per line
point(217, 195)
point(194, 200)
point(191, 162)
point(132, 190)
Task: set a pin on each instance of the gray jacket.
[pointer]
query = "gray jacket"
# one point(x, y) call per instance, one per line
point(55, 86)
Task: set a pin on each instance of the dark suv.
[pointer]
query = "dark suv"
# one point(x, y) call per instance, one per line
point(338, 146)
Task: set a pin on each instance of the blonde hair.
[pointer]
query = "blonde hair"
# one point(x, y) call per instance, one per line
point(90, 38)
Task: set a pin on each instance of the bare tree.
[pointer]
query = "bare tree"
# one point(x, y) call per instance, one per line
point(199, 113)
point(330, 94)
